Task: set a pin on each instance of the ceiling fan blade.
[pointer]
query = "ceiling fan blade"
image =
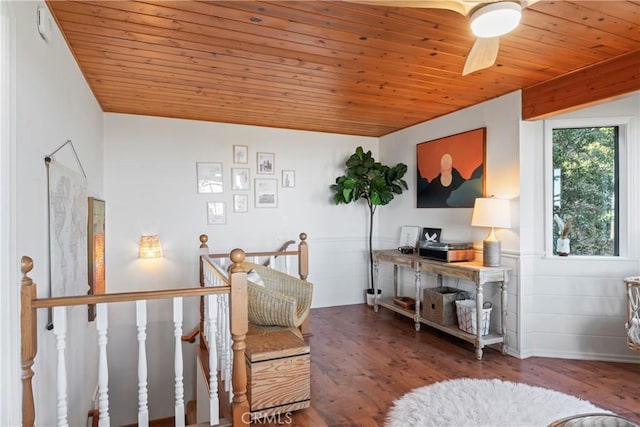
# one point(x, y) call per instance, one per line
point(527, 3)
point(484, 51)
point(483, 54)
point(463, 7)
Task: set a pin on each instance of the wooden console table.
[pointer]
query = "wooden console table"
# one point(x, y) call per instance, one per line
point(472, 271)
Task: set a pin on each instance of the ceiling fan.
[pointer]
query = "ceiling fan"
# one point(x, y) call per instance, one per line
point(488, 20)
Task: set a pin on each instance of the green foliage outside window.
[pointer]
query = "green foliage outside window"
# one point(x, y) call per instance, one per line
point(585, 176)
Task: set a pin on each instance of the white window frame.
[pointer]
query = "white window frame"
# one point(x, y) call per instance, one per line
point(628, 188)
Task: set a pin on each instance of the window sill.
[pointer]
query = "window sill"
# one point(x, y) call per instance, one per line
point(592, 258)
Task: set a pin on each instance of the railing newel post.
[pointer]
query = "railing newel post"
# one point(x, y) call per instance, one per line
point(28, 337)
point(239, 328)
point(303, 257)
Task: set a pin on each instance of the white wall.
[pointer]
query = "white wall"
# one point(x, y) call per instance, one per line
point(150, 187)
point(501, 117)
point(574, 307)
point(569, 307)
point(9, 277)
point(532, 221)
point(53, 104)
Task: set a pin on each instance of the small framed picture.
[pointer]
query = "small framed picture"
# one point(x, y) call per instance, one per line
point(429, 235)
point(266, 163)
point(240, 178)
point(240, 203)
point(209, 177)
point(240, 154)
point(215, 213)
point(266, 193)
point(288, 179)
point(409, 236)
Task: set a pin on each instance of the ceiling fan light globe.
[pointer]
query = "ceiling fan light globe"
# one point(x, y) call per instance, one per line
point(495, 19)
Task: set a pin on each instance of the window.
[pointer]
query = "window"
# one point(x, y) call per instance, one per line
point(584, 186)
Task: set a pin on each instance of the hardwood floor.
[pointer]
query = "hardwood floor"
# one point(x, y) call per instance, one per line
point(361, 361)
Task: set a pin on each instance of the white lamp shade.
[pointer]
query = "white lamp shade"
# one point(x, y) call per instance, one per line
point(495, 19)
point(150, 247)
point(491, 212)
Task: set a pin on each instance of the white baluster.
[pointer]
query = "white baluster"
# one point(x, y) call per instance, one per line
point(214, 278)
point(179, 389)
point(207, 330)
point(141, 323)
point(287, 264)
point(219, 336)
point(272, 262)
point(60, 331)
point(222, 330)
point(214, 415)
point(227, 345)
point(102, 325)
point(229, 366)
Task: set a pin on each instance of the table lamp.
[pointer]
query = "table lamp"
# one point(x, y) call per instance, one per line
point(491, 212)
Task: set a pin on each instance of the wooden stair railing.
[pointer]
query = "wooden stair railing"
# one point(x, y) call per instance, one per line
point(302, 255)
point(235, 287)
point(283, 248)
point(217, 262)
point(191, 338)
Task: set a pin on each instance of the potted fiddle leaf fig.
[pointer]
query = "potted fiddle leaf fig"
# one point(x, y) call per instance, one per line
point(372, 181)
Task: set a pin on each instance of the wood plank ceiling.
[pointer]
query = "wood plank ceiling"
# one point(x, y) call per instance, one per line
point(323, 66)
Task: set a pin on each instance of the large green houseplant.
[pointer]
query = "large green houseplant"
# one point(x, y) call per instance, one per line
point(372, 181)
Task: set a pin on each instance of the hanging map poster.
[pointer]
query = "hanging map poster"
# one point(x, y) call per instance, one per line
point(67, 231)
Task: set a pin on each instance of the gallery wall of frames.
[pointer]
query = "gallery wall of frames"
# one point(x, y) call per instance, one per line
point(254, 182)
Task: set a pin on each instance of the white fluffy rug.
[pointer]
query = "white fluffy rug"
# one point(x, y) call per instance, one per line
point(471, 402)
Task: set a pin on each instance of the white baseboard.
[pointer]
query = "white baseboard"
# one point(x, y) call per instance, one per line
point(601, 357)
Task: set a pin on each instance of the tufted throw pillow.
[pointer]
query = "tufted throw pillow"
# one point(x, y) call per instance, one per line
point(253, 276)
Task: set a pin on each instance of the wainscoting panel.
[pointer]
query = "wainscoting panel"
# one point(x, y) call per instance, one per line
point(576, 307)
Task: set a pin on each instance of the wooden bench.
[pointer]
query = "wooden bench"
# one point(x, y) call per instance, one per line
point(278, 370)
